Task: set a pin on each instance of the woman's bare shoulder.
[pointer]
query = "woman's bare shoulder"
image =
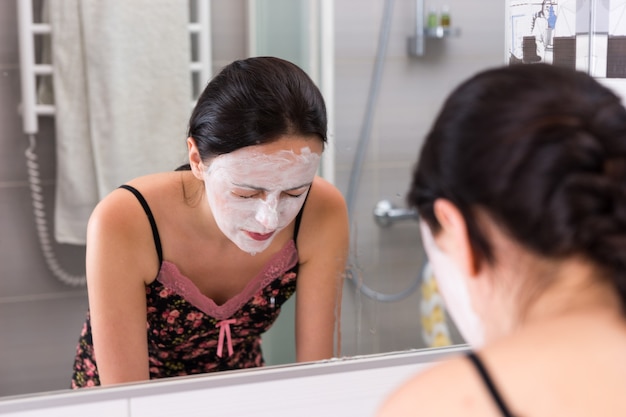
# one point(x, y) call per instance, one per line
point(120, 205)
point(325, 207)
point(119, 228)
point(324, 226)
point(448, 388)
point(553, 356)
point(325, 195)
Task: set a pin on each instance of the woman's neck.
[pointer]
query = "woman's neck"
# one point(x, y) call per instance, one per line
point(576, 286)
point(552, 290)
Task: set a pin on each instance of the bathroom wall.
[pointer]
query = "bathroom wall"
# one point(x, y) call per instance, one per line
point(411, 91)
point(40, 318)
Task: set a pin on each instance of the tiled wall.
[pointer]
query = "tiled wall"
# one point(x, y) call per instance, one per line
point(411, 91)
point(40, 318)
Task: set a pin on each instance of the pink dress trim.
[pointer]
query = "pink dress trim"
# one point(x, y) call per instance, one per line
point(171, 277)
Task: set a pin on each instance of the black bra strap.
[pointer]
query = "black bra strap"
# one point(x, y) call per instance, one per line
point(296, 227)
point(489, 384)
point(146, 208)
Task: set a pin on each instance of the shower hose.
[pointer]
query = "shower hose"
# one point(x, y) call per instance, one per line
point(434, 326)
point(361, 148)
point(41, 222)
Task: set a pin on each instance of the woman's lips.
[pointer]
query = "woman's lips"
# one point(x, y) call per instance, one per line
point(260, 236)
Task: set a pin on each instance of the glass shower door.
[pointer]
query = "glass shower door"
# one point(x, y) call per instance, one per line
point(299, 31)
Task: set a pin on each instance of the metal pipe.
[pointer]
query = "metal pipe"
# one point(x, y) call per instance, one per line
point(327, 84)
point(41, 28)
point(370, 107)
point(27, 66)
point(417, 41)
point(204, 40)
point(386, 214)
point(419, 18)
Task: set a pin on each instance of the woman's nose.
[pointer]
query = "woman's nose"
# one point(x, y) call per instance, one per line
point(267, 215)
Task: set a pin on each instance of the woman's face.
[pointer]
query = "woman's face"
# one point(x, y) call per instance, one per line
point(256, 191)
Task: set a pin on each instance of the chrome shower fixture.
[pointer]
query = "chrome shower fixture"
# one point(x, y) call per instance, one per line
point(385, 213)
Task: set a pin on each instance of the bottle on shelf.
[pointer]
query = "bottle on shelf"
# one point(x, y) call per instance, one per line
point(432, 20)
point(445, 17)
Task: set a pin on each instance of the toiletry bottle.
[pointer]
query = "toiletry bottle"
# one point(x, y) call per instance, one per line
point(433, 19)
point(445, 16)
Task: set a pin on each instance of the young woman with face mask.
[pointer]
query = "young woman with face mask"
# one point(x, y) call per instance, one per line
point(521, 190)
point(187, 269)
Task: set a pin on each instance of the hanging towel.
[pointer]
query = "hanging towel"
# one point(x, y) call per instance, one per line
point(122, 91)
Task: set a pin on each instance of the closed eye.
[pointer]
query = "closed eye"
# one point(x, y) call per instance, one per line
point(297, 192)
point(245, 195)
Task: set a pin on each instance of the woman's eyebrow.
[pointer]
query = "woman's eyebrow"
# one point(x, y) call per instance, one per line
point(256, 188)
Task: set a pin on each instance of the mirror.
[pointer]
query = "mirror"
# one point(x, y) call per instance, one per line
point(40, 318)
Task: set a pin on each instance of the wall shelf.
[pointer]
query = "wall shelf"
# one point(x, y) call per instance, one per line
point(441, 32)
point(416, 43)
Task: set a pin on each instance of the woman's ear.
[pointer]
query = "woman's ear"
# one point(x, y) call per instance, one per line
point(195, 160)
point(454, 237)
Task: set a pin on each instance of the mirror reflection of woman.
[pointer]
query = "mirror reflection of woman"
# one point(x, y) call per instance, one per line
point(521, 191)
point(187, 269)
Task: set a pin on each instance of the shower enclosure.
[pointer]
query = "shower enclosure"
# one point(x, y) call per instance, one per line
point(382, 308)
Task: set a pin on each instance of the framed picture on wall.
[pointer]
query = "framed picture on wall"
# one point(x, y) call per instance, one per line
point(588, 35)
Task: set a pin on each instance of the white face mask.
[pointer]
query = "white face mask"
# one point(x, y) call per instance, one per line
point(453, 289)
point(254, 195)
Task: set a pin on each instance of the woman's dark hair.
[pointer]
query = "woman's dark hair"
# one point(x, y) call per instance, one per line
point(255, 101)
point(542, 150)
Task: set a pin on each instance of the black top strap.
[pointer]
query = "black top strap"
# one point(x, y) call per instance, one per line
point(497, 398)
point(146, 208)
point(296, 227)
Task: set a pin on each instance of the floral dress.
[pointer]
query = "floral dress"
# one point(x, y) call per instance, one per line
point(188, 333)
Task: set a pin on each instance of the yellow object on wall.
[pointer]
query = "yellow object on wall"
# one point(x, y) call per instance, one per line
point(435, 331)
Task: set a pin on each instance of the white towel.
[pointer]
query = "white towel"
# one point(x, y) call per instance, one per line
point(122, 91)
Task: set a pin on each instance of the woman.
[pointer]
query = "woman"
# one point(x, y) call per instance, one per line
point(204, 257)
point(521, 189)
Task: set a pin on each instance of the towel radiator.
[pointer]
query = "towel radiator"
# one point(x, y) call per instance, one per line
point(30, 69)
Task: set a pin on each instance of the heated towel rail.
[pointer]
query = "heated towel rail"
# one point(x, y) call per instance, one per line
point(201, 63)
point(31, 110)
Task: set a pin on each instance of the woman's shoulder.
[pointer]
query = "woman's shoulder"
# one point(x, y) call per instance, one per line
point(325, 197)
point(324, 205)
point(324, 224)
point(121, 216)
point(456, 386)
point(568, 359)
point(447, 388)
point(153, 188)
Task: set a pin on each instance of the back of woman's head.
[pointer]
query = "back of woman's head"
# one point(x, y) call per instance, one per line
point(255, 101)
point(542, 151)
